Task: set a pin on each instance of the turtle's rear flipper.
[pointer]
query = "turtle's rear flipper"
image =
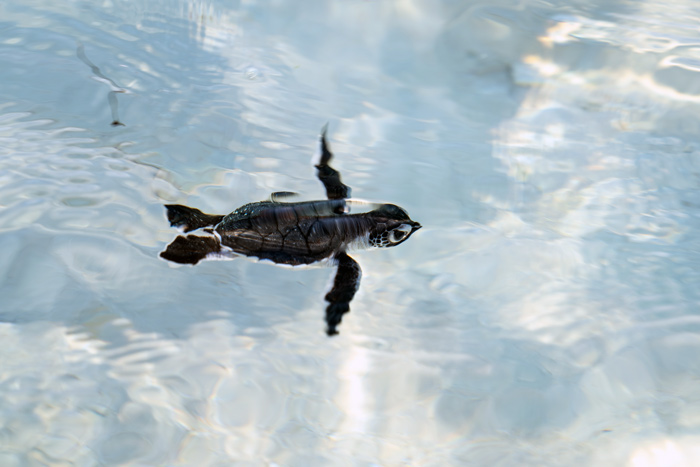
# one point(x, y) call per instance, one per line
point(190, 218)
point(345, 284)
point(190, 249)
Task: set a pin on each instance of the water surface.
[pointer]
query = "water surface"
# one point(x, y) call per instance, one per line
point(546, 314)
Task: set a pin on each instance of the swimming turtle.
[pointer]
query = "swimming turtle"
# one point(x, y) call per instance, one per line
point(295, 233)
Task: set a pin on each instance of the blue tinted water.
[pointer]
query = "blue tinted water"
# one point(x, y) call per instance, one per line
point(546, 314)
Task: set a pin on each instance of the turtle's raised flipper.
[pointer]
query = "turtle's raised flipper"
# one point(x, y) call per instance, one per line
point(190, 218)
point(346, 283)
point(190, 249)
point(335, 189)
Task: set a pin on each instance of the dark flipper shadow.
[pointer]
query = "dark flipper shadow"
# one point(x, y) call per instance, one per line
point(345, 284)
point(116, 89)
point(114, 106)
point(335, 189)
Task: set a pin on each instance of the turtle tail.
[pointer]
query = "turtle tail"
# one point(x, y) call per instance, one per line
point(190, 249)
point(189, 218)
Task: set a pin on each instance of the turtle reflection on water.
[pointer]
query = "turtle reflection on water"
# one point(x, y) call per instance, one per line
point(295, 233)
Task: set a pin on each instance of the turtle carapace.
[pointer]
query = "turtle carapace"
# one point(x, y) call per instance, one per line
point(295, 233)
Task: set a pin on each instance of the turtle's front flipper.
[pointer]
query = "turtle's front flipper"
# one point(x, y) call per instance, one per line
point(190, 218)
point(346, 283)
point(328, 175)
point(190, 249)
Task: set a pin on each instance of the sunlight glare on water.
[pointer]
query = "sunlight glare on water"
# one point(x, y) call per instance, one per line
point(546, 313)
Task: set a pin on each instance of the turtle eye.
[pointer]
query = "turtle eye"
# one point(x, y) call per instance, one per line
point(396, 236)
point(399, 233)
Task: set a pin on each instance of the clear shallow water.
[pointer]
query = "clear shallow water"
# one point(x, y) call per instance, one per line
point(545, 314)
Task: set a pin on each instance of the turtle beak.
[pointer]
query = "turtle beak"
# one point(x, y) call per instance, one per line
point(416, 226)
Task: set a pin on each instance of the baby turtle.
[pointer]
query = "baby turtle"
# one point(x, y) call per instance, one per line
point(295, 233)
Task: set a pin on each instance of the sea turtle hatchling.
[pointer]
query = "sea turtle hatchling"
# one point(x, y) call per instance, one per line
point(295, 233)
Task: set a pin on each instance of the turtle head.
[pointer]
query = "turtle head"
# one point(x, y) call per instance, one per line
point(393, 226)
